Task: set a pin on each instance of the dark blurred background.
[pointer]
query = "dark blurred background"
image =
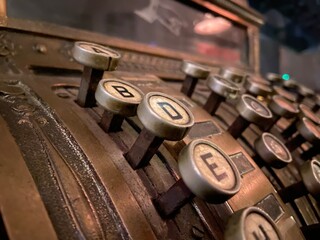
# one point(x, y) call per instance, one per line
point(289, 39)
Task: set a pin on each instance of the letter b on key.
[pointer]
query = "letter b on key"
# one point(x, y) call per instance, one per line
point(123, 91)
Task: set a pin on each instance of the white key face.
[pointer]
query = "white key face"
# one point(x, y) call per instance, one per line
point(213, 166)
point(169, 110)
point(316, 170)
point(257, 106)
point(256, 227)
point(98, 49)
point(123, 91)
point(276, 147)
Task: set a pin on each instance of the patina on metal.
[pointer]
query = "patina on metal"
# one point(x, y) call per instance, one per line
point(70, 177)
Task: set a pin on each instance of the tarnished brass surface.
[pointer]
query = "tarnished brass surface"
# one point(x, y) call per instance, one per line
point(105, 157)
point(21, 206)
point(120, 194)
point(62, 176)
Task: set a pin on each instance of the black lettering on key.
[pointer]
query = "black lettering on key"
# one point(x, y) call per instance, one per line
point(166, 107)
point(213, 166)
point(123, 91)
point(98, 50)
point(265, 235)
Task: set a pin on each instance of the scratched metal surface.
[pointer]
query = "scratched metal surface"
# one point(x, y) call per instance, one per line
point(71, 190)
point(87, 187)
point(156, 178)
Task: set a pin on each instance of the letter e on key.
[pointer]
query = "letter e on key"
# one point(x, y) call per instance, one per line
point(213, 167)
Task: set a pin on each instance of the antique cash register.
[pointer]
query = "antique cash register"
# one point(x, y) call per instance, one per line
point(149, 119)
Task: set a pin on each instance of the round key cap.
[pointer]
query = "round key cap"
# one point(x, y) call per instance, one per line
point(234, 75)
point(96, 56)
point(119, 99)
point(256, 87)
point(251, 223)
point(206, 171)
point(194, 72)
point(308, 132)
point(96, 59)
point(163, 117)
point(271, 151)
point(305, 111)
point(281, 107)
point(251, 110)
point(221, 89)
point(274, 78)
point(286, 94)
point(310, 183)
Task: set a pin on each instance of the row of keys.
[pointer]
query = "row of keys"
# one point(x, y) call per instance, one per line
point(254, 85)
point(251, 111)
point(301, 189)
point(304, 126)
point(282, 106)
point(164, 117)
point(93, 66)
point(120, 99)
